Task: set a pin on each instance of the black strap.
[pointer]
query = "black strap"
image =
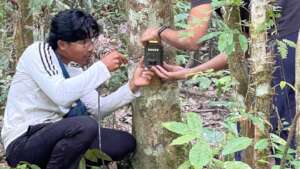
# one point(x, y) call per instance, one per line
point(79, 108)
point(161, 29)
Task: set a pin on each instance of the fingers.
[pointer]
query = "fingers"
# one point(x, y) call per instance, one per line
point(142, 60)
point(122, 59)
point(114, 60)
point(142, 77)
point(167, 66)
point(144, 40)
point(147, 75)
point(145, 37)
point(118, 56)
point(172, 68)
point(164, 71)
point(141, 63)
point(165, 63)
point(149, 34)
point(159, 73)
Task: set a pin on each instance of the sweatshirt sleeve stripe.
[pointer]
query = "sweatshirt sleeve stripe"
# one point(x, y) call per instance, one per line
point(50, 66)
point(51, 62)
point(40, 52)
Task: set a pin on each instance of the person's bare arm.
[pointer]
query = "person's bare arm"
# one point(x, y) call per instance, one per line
point(219, 62)
point(174, 72)
point(198, 22)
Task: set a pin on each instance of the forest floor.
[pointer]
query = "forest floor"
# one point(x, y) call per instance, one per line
point(192, 100)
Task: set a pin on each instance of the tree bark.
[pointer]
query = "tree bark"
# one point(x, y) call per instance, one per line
point(238, 70)
point(236, 61)
point(261, 77)
point(41, 23)
point(22, 32)
point(257, 88)
point(160, 101)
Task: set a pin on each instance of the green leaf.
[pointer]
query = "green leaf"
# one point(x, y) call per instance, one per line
point(229, 37)
point(96, 167)
point(258, 121)
point(218, 3)
point(82, 164)
point(226, 43)
point(194, 123)
point(22, 166)
point(277, 139)
point(243, 42)
point(236, 165)
point(91, 155)
point(32, 166)
point(204, 82)
point(229, 49)
point(208, 36)
point(262, 161)
point(236, 2)
point(49, 2)
point(213, 136)
point(231, 127)
point(290, 43)
point(200, 154)
point(185, 165)
point(222, 42)
point(177, 127)
point(282, 48)
point(217, 163)
point(181, 59)
point(181, 17)
point(184, 139)
point(95, 154)
point(61, 5)
point(224, 80)
point(236, 144)
point(296, 164)
point(276, 167)
point(26, 165)
point(261, 144)
point(282, 85)
point(224, 84)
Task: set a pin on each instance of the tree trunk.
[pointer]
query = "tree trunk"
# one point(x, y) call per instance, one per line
point(238, 70)
point(160, 101)
point(297, 92)
point(261, 76)
point(22, 32)
point(236, 61)
point(41, 22)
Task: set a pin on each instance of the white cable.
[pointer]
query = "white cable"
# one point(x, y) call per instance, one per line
point(99, 128)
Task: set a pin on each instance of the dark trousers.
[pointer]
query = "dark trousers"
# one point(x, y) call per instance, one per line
point(62, 144)
point(284, 99)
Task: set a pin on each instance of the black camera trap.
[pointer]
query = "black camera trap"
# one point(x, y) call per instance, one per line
point(153, 54)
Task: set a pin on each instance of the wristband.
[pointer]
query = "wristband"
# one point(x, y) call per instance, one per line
point(161, 29)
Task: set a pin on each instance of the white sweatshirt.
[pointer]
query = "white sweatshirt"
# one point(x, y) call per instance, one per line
point(39, 93)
